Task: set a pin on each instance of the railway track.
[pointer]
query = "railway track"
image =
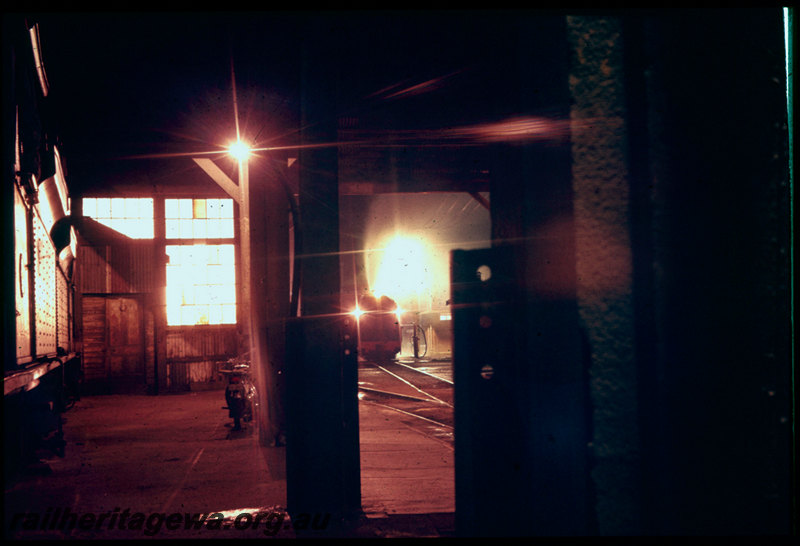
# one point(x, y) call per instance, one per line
point(421, 392)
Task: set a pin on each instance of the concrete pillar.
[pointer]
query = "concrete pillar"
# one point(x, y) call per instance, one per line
point(601, 185)
point(682, 222)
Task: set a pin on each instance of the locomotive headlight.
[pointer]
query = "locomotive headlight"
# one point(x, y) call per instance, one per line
point(403, 270)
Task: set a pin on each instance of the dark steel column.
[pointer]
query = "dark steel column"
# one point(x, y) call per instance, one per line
point(718, 449)
point(322, 450)
point(520, 378)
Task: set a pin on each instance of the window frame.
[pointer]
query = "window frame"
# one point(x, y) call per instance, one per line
point(168, 241)
point(110, 220)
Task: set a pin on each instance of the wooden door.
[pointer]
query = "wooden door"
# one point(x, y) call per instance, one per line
point(125, 349)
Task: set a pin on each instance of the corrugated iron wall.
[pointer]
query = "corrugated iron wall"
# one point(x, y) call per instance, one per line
point(117, 269)
point(92, 264)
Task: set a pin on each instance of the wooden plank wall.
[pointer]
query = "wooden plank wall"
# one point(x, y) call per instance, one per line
point(94, 338)
point(193, 354)
point(149, 347)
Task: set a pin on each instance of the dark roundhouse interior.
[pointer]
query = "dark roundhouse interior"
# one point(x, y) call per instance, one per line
point(378, 274)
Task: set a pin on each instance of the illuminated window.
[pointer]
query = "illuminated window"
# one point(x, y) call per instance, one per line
point(130, 216)
point(201, 278)
point(198, 218)
point(201, 284)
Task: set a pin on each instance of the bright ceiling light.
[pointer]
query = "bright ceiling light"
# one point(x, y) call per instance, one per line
point(239, 150)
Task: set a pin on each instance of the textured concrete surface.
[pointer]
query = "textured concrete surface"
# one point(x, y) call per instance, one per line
point(133, 461)
point(604, 266)
point(402, 470)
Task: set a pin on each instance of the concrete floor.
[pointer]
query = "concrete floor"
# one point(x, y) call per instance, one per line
point(177, 454)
